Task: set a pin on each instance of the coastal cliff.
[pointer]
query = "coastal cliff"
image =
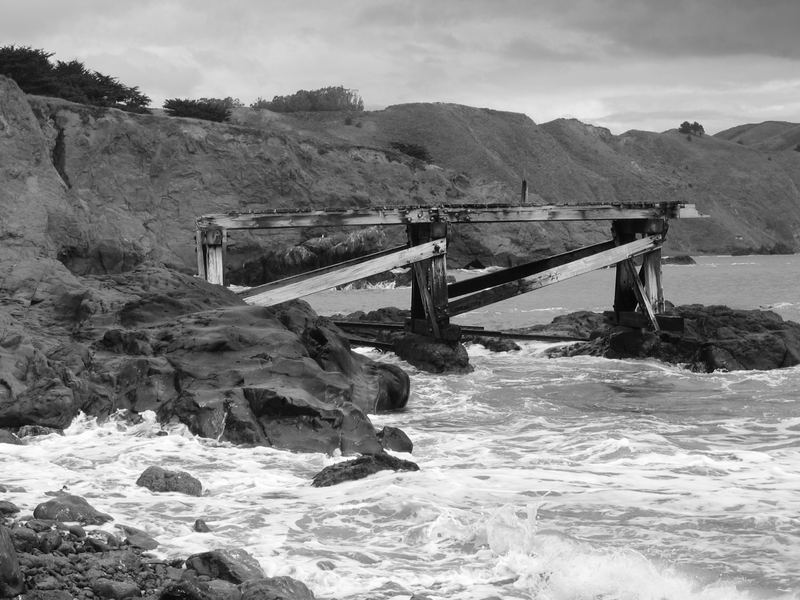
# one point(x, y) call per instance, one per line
point(103, 191)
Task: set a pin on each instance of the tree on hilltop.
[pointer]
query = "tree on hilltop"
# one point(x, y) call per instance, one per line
point(36, 74)
point(323, 99)
point(209, 109)
point(692, 129)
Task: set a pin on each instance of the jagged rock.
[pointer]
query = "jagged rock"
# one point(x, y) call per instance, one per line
point(200, 526)
point(234, 565)
point(156, 479)
point(275, 588)
point(70, 508)
point(392, 438)
point(12, 582)
point(429, 354)
point(294, 419)
point(361, 467)
point(714, 338)
point(138, 538)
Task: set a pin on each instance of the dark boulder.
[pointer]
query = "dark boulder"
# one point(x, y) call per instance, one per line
point(275, 588)
point(392, 438)
point(361, 467)
point(201, 526)
point(235, 565)
point(156, 479)
point(296, 420)
point(714, 338)
point(70, 508)
point(138, 538)
point(8, 508)
point(432, 355)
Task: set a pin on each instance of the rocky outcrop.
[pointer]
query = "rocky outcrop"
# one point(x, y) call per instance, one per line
point(51, 559)
point(104, 191)
point(156, 340)
point(714, 338)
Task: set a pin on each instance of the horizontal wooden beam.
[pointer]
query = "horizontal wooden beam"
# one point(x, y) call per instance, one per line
point(482, 282)
point(578, 267)
point(454, 214)
point(298, 286)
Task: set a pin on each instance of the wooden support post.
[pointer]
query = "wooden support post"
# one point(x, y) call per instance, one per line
point(211, 251)
point(429, 284)
point(624, 294)
point(651, 276)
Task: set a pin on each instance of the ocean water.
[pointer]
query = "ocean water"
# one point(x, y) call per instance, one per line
point(554, 479)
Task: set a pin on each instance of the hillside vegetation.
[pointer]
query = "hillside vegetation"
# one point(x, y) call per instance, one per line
point(104, 190)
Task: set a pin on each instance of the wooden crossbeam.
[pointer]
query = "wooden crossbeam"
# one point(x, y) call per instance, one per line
point(452, 214)
point(482, 282)
point(578, 267)
point(641, 295)
point(322, 279)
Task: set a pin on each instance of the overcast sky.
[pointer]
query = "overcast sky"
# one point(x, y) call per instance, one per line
point(621, 64)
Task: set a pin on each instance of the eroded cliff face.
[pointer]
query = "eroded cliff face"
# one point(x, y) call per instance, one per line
point(103, 190)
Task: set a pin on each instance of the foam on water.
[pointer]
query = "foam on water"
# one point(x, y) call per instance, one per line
point(556, 479)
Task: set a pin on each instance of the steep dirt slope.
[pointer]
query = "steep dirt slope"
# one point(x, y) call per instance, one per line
point(770, 135)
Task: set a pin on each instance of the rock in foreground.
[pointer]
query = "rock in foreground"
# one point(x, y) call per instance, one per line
point(156, 340)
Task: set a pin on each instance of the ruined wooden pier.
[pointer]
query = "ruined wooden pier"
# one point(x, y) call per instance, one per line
point(637, 230)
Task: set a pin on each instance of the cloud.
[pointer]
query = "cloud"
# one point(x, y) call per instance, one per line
point(585, 58)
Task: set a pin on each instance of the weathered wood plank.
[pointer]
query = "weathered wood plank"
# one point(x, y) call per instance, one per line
point(651, 273)
point(421, 278)
point(482, 282)
point(323, 279)
point(215, 272)
point(452, 214)
point(641, 295)
point(554, 275)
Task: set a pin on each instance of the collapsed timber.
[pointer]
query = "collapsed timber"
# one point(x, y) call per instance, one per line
point(638, 233)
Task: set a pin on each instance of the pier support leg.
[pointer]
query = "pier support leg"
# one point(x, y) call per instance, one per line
point(211, 247)
point(651, 276)
point(624, 294)
point(643, 289)
point(429, 314)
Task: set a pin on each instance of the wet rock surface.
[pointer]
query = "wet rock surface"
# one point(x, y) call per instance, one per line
point(714, 338)
point(155, 340)
point(156, 479)
point(361, 467)
point(53, 559)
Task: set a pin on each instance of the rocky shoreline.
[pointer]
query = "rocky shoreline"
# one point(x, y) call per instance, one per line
point(60, 553)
